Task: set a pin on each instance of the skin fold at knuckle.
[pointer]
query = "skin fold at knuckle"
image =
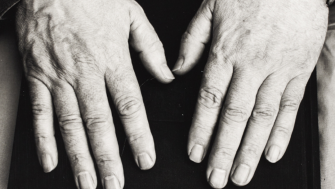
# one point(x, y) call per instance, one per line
point(70, 124)
point(106, 161)
point(201, 133)
point(250, 151)
point(97, 123)
point(290, 104)
point(79, 159)
point(41, 111)
point(40, 141)
point(264, 113)
point(281, 132)
point(210, 97)
point(233, 113)
point(128, 107)
point(223, 154)
point(138, 138)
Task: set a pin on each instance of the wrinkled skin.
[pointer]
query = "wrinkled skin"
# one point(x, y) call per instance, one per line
point(73, 52)
point(261, 57)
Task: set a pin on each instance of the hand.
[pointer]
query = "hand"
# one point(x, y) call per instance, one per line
point(262, 55)
point(72, 50)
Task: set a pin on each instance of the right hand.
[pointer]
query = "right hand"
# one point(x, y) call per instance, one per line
point(72, 50)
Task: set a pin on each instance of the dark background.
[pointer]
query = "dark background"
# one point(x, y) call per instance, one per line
point(170, 108)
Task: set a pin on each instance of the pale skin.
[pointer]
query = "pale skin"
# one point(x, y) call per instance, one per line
point(73, 53)
point(262, 55)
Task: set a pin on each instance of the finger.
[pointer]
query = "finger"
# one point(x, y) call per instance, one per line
point(258, 130)
point(43, 124)
point(213, 88)
point(236, 111)
point(74, 137)
point(283, 127)
point(145, 41)
point(97, 116)
point(195, 38)
point(127, 98)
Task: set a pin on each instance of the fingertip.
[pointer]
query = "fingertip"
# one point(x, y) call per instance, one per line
point(183, 66)
point(112, 182)
point(85, 180)
point(47, 162)
point(273, 154)
point(178, 64)
point(168, 77)
point(197, 153)
point(144, 161)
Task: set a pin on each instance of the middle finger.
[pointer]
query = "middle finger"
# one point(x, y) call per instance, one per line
point(97, 116)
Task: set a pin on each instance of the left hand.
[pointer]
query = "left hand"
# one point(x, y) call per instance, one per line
point(261, 58)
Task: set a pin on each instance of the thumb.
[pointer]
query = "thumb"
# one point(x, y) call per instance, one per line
point(195, 38)
point(144, 40)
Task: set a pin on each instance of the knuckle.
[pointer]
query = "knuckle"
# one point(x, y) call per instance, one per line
point(224, 153)
point(290, 104)
point(186, 37)
point(105, 160)
point(155, 45)
point(217, 49)
point(250, 151)
point(40, 109)
point(235, 114)
point(210, 97)
point(264, 112)
point(70, 123)
point(40, 140)
point(201, 130)
point(128, 107)
point(97, 123)
point(136, 138)
point(281, 132)
point(79, 159)
point(74, 141)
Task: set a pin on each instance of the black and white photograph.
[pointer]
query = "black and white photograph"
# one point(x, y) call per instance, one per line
point(167, 94)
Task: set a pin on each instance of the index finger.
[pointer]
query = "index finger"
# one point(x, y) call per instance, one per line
point(127, 98)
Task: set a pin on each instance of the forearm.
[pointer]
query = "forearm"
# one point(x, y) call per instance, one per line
point(10, 77)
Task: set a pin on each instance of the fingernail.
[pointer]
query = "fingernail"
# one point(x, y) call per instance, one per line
point(85, 180)
point(217, 178)
point(241, 174)
point(166, 72)
point(197, 153)
point(111, 182)
point(273, 153)
point(47, 163)
point(179, 64)
point(144, 161)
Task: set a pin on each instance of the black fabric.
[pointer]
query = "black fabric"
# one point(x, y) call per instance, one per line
point(6, 5)
point(170, 108)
